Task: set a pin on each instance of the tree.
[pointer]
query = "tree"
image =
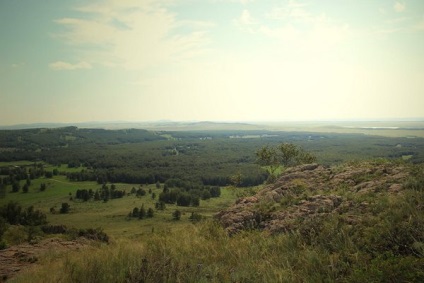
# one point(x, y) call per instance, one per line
point(184, 199)
point(236, 179)
point(65, 208)
point(286, 154)
point(176, 215)
point(97, 195)
point(294, 155)
point(267, 156)
point(48, 174)
point(150, 212)
point(2, 190)
point(16, 187)
point(195, 217)
point(3, 226)
point(215, 192)
point(135, 212)
point(206, 195)
point(42, 187)
point(25, 188)
point(142, 213)
point(160, 205)
point(195, 201)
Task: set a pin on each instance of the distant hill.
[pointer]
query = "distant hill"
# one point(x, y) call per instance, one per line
point(155, 125)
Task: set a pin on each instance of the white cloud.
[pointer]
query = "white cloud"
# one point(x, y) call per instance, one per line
point(246, 22)
point(61, 66)
point(132, 34)
point(246, 18)
point(294, 25)
point(399, 7)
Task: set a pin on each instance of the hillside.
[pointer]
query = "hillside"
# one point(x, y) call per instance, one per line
point(356, 222)
point(313, 191)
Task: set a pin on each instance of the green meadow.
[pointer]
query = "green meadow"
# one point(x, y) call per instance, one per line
point(112, 215)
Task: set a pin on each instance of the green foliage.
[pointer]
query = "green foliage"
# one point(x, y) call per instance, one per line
point(43, 187)
point(195, 217)
point(16, 187)
point(150, 212)
point(96, 234)
point(285, 154)
point(3, 226)
point(14, 214)
point(65, 208)
point(25, 188)
point(176, 215)
point(142, 213)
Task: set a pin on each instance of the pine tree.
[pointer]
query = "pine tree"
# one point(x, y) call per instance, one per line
point(142, 213)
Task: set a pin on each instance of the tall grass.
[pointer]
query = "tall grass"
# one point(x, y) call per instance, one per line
point(384, 243)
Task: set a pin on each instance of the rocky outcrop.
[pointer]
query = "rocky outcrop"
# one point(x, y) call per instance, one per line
point(20, 257)
point(313, 190)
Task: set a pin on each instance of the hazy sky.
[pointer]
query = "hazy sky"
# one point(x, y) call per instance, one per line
point(76, 61)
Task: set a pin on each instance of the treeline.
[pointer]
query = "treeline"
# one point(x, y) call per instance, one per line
point(14, 214)
point(13, 174)
point(36, 139)
point(210, 158)
point(104, 193)
point(182, 193)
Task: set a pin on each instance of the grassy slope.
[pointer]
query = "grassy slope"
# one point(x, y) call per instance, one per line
point(385, 245)
point(112, 215)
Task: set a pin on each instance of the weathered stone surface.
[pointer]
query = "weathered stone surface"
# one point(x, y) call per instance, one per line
point(293, 195)
point(20, 257)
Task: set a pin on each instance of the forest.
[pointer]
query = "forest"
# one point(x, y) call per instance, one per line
point(208, 158)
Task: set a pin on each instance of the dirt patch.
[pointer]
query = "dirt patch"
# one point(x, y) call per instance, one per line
point(18, 258)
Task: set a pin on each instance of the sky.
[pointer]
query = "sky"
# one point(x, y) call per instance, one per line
point(210, 60)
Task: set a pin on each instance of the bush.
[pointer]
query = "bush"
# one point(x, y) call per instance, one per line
point(65, 208)
point(176, 215)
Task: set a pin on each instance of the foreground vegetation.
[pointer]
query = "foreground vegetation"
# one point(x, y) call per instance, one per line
point(205, 253)
point(382, 243)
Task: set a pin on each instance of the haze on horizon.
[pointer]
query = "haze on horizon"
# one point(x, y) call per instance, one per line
point(216, 60)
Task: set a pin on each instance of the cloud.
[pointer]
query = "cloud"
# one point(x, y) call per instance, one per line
point(246, 22)
point(294, 25)
point(132, 34)
point(399, 7)
point(61, 66)
point(245, 18)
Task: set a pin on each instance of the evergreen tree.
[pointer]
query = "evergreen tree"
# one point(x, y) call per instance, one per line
point(150, 212)
point(65, 208)
point(135, 212)
point(2, 190)
point(16, 187)
point(25, 188)
point(142, 213)
point(42, 187)
point(176, 215)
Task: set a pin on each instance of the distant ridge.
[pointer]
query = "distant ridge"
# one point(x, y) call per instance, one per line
point(154, 125)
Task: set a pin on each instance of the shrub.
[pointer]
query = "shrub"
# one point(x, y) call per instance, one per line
point(65, 208)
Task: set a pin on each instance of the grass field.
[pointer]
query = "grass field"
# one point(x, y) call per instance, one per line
point(112, 216)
